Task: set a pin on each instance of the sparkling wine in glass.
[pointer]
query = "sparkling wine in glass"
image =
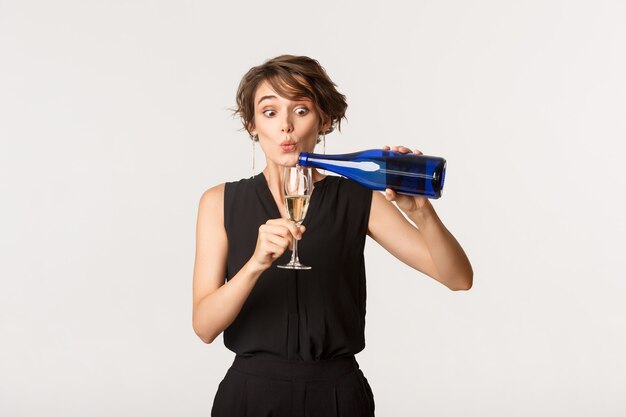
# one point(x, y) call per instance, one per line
point(297, 189)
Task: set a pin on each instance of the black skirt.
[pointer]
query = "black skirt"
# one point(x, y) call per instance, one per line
point(256, 387)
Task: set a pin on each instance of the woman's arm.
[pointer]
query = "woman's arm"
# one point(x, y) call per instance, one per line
point(426, 245)
point(216, 304)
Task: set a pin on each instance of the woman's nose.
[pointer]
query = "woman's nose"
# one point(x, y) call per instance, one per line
point(287, 125)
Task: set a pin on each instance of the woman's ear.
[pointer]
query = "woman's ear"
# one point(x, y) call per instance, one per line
point(325, 124)
point(251, 129)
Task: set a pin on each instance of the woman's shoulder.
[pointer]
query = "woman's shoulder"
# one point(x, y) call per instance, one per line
point(212, 197)
point(215, 194)
point(242, 182)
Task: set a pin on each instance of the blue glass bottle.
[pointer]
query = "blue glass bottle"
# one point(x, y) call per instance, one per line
point(378, 169)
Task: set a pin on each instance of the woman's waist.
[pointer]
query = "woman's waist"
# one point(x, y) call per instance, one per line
point(295, 369)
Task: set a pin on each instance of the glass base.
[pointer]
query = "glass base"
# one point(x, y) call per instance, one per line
point(293, 265)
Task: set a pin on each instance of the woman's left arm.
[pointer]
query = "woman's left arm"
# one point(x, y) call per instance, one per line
point(426, 245)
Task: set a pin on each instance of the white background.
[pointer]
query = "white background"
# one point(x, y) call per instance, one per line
point(114, 118)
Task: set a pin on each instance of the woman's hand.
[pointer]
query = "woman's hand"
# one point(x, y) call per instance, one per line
point(406, 203)
point(275, 236)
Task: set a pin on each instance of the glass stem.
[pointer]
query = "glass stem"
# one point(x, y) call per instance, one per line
point(294, 254)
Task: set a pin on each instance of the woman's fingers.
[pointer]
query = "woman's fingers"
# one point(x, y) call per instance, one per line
point(401, 149)
point(274, 251)
point(272, 242)
point(390, 195)
point(287, 225)
point(269, 229)
point(280, 240)
point(276, 235)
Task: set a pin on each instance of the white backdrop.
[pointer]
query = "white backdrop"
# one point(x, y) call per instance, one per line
point(114, 118)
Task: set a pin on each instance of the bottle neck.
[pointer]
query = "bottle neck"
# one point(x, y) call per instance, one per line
point(310, 159)
point(336, 163)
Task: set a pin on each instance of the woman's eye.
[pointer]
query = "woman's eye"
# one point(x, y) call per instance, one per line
point(269, 113)
point(302, 111)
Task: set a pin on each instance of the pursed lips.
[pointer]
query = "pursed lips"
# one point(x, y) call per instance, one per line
point(288, 145)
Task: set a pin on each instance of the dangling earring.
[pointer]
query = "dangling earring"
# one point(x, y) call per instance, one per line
point(254, 138)
point(323, 140)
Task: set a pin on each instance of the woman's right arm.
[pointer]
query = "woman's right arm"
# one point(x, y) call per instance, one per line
point(216, 304)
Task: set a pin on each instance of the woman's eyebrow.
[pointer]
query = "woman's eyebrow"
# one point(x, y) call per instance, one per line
point(265, 98)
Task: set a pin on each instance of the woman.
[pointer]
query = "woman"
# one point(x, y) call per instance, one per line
point(295, 333)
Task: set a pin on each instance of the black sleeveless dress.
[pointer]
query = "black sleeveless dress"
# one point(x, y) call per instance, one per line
point(295, 319)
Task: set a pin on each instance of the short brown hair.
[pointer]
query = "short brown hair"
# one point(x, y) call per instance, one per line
point(295, 78)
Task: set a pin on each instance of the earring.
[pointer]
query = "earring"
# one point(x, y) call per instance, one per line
point(254, 138)
point(323, 140)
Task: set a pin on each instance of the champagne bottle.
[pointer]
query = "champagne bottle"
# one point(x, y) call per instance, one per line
point(378, 169)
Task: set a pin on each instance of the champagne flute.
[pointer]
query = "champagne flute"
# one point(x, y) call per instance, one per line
point(297, 189)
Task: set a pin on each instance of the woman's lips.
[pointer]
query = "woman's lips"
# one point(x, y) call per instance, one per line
point(288, 146)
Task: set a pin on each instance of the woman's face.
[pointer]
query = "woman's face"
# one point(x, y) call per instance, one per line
point(285, 127)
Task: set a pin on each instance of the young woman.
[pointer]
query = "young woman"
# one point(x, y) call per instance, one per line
point(295, 333)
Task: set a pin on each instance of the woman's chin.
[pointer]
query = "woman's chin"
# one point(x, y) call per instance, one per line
point(289, 160)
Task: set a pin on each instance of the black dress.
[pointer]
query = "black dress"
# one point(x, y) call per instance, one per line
point(298, 331)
